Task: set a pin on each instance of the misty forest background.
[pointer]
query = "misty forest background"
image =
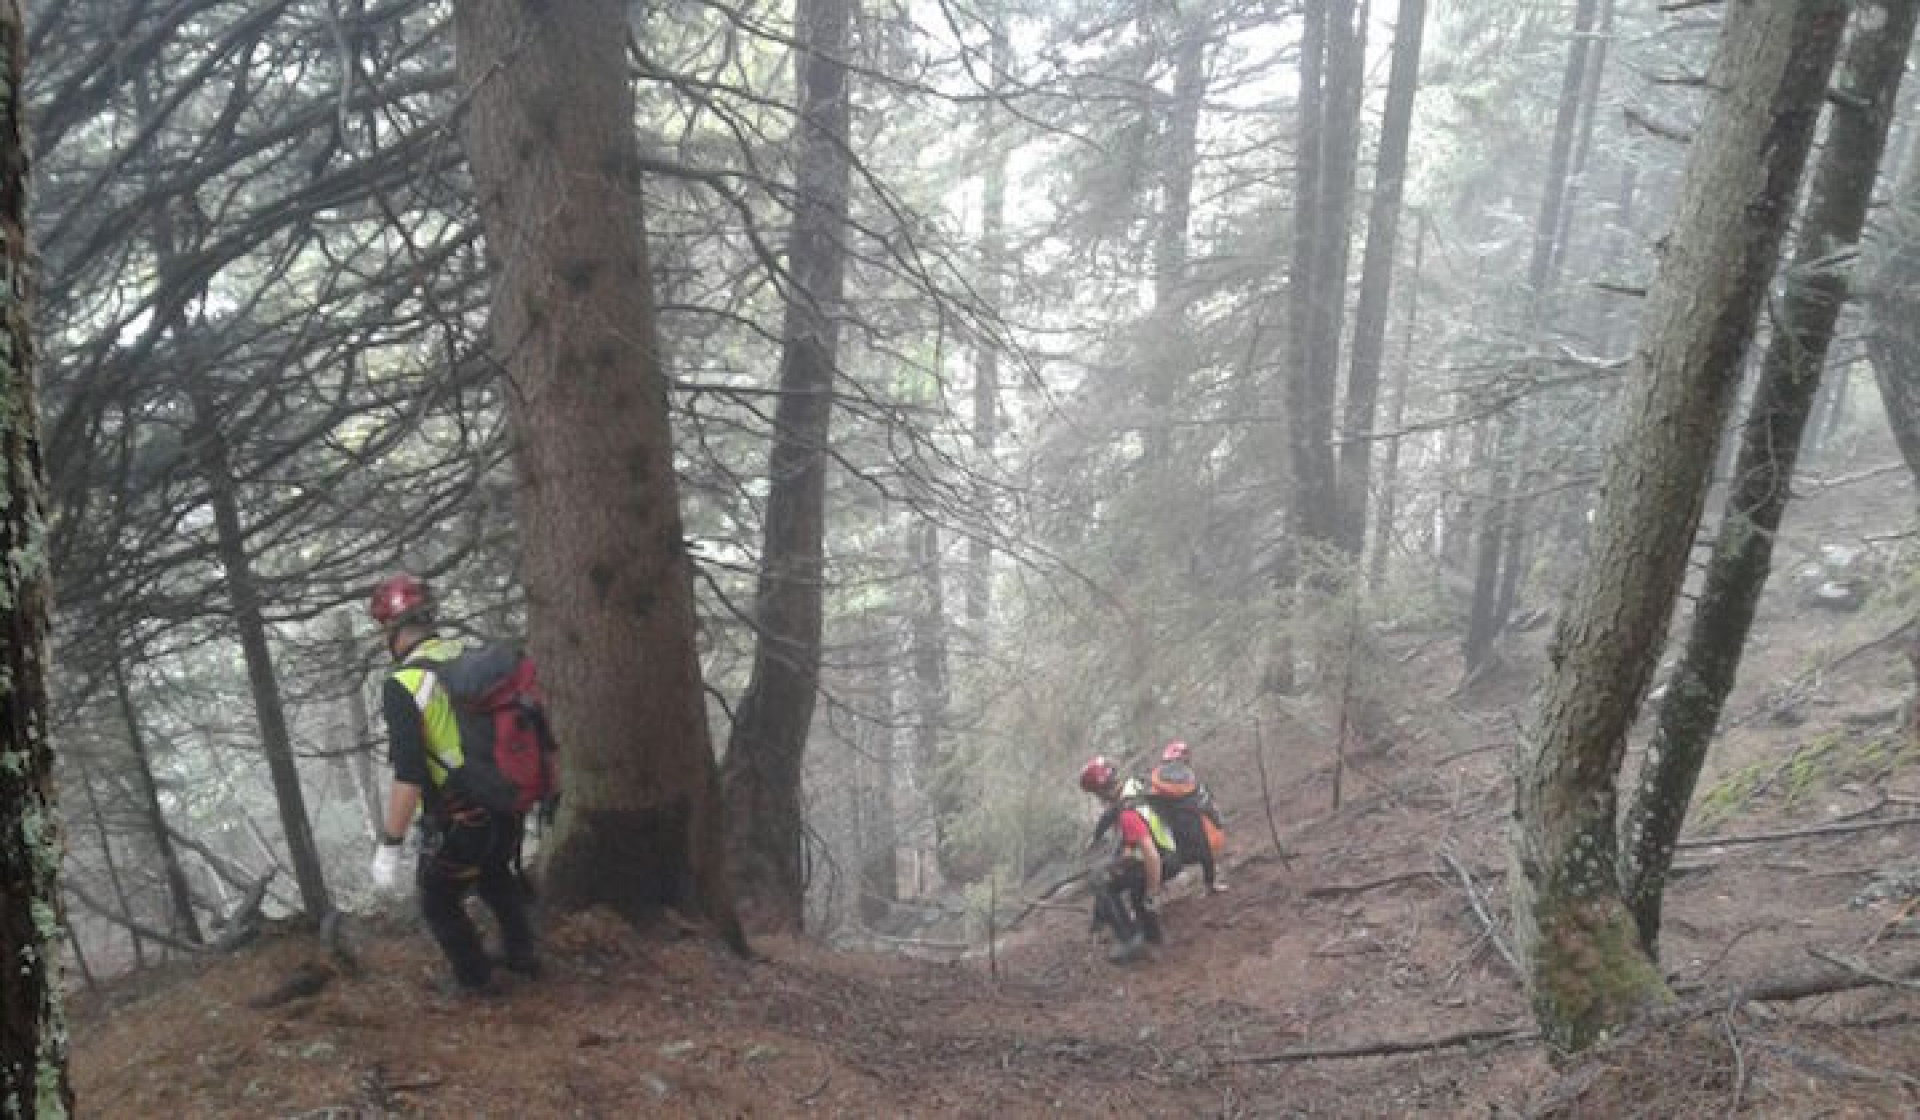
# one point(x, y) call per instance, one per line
point(1043, 380)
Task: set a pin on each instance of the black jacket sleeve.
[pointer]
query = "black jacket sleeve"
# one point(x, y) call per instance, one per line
point(406, 734)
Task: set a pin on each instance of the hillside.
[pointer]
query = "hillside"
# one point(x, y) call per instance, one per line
point(1367, 936)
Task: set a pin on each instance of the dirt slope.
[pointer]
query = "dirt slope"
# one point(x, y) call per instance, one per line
point(1367, 936)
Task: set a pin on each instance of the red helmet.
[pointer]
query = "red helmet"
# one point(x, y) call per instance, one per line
point(1176, 752)
point(401, 598)
point(1097, 774)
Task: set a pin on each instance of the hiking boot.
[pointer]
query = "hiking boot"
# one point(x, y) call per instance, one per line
point(1129, 950)
point(1218, 886)
point(459, 991)
point(526, 965)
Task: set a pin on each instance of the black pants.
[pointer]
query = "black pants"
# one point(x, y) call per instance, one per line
point(475, 851)
point(1120, 901)
point(1190, 837)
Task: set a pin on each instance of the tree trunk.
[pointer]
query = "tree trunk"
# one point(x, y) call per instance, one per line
point(103, 836)
point(761, 776)
point(1586, 969)
point(1166, 352)
point(928, 656)
point(986, 370)
point(33, 1031)
point(1330, 59)
point(1385, 513)
point(1376, 276)
point(360, 751)
point(249, 619)
point(181, 897)
point(549, 133)
point(1893, 312)
point(1496, 559)
point(1836, 212)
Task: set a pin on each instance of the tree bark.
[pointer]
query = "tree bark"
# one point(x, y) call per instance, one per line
point(986, 369)
point(1790, 374)
point(181, 897)
point(1497, 554)
point(249, 619)
point(927, 654)
point(1331, 60)
point(1587, 971)
point(1893, 312)
point(1376, 276)
point(549, 133)
point(33, 1032)
point(761, 776)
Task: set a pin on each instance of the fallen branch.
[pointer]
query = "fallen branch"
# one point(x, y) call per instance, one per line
point(1817, 1062)
point(1392, 1046)
point(1860, 969)
point(1486, 919)
point(1341, 890)
point(1266, 798)
point(1795, 833)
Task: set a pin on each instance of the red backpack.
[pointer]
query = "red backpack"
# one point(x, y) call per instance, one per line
point(496, 700)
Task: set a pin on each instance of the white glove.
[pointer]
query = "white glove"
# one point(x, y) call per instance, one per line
point(386, 867)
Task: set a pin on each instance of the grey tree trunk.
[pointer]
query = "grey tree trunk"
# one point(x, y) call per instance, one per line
point(1586, 969)
point(986, 369)
point(1790, 374)
point(927, 655)
point(761, 777)
point(1331, 59)
point(1498, 554)
point(1376, 276)
point(549, 134)
point(33, 1031)
point(249, 620)
point(1385, 512)
point(1893, 312)
point(178, 894)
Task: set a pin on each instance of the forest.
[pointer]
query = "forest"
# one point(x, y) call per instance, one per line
point(1476, 439)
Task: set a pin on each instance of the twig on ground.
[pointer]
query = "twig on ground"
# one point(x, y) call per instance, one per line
point(1861, 969)
point(1832, 1065)
point(1515, 1033)
point(1341, 890)
point(1739, 1063)
point(1486, 919)
point(1887, 926)
point(1794, 833)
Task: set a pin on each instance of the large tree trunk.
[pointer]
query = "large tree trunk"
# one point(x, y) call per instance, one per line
point(549, 132)
point(761, 777)
point(1893, 312)
point(33, 1032)
point(1586, 969)
point(1331, 60)
point(1376, 276)
point(1836, 212)
point(249, 619)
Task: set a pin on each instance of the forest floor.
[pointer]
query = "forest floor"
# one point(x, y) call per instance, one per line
point(1367, 937)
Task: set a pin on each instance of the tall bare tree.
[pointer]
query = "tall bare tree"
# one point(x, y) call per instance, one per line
point(1586, 968)
point(1376, 274)
point(33, 1035)
point(761, 776)
point(550, 136)
point(1496, 553)
point(1790, 375)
